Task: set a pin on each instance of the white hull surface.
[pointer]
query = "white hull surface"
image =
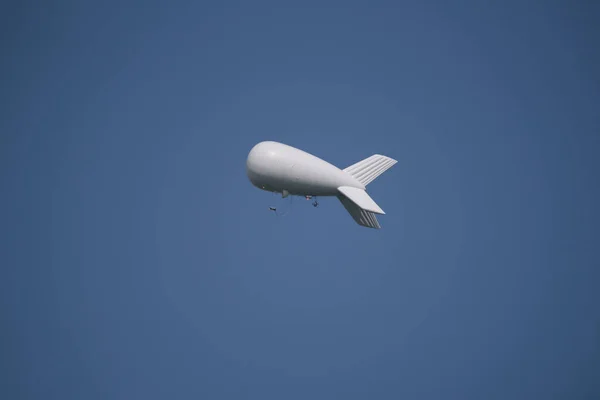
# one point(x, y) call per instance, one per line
point(277, 167)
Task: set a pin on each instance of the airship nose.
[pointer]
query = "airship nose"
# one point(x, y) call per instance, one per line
point(261, 151)
point(254, 156)
point(257, 157)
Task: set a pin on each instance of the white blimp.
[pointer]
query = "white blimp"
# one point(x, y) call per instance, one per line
point(279, 168)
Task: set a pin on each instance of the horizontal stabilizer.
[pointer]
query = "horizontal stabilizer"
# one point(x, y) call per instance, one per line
point(361, 199)
point(362, 217)
point(367, 170)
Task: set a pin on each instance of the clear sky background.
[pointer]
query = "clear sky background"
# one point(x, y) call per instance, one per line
point(138, 262)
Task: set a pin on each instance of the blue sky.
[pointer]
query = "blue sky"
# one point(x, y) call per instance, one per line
point(137, 261)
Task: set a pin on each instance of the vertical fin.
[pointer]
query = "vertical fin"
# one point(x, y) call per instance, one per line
point(367, 170)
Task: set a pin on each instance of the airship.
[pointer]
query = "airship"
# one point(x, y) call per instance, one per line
point(280, 168)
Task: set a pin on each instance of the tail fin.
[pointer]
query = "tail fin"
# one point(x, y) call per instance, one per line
point(361, 199)
point(360, 206)
point(367, 170)
point(362, 217)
